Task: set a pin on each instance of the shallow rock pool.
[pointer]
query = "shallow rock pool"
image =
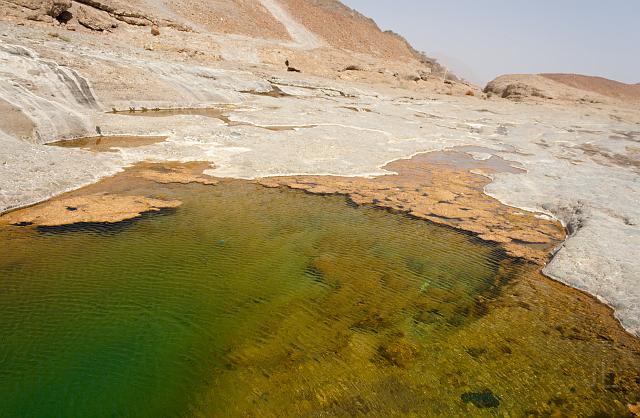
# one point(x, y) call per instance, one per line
point(249, 301)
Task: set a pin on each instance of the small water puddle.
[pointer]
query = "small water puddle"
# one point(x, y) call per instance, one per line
point(275, 92)
point(108, 143)
point(220, 113)
point(471, 158)
point(209, 112)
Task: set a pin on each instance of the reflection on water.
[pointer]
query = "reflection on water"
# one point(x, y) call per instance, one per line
point(220, 113)
point(275, 92)
point(462, 158)
point(209, 112)
point(109, 143)
point(249, 301)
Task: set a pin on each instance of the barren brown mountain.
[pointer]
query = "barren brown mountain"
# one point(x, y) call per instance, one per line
point(564, 87)
point(599, 85)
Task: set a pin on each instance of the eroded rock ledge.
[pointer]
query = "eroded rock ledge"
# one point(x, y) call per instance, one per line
point(182, 173)
point(93, 208)
point(446, 195)
point(111, 200)
point(436, 186)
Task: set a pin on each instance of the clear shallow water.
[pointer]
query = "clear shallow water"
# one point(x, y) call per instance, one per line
point(220, 113)
point(265, 302)
point(108, 143)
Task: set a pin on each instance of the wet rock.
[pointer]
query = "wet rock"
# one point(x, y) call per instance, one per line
point(556, 401)
point(108, 143)
point(614, 383)
point(444, 194)
point(315, 273)
point(371, 320)
point(506, 349)
point(483, 399)
point(184, 174)
point(352, 406)
point(400, 392)
point(399, 352)
point(107, 208)
point(476, 352)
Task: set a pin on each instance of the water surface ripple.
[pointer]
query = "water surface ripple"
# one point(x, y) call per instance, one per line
point(248, 301)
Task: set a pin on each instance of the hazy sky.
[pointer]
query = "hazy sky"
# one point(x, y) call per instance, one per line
point(481, 39)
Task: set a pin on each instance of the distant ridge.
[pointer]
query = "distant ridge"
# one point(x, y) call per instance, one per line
point(571, 87)
point(599, 85)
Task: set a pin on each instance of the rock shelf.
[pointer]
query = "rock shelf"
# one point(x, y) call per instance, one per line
point(94, 208)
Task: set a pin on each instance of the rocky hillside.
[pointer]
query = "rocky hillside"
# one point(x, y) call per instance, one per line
point(565, 87)
point(280, 31)
point(345, 28)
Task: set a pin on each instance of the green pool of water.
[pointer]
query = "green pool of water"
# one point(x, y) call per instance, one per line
point(248, 301)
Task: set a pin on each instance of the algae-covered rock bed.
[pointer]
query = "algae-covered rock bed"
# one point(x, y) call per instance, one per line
point(247, 300)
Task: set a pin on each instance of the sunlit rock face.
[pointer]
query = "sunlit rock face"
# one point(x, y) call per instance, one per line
point(54, 97)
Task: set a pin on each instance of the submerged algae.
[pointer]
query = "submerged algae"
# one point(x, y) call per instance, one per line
point(445, 188)
point(271, 302)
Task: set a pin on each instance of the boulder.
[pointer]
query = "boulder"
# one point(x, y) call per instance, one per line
point(352, 68)
point(412, 77)
point(57, 7)
point(517, 90)
point(94, 19)
point(135, 21)
point(399, 352)
point(43, 10)
point(424, 74)
point(514, 90)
